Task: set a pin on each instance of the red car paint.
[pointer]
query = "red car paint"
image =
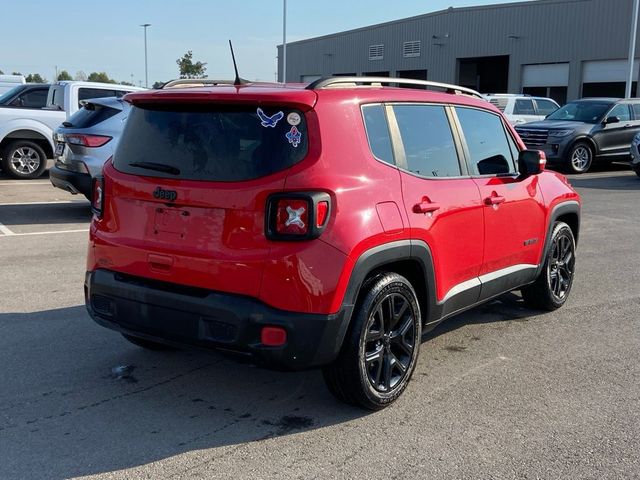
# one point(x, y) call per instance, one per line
point(213, 236)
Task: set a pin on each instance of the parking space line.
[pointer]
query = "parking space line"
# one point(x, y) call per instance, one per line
point(28, 182)
point(13, 234)
point(5, 231)
point(6, 204)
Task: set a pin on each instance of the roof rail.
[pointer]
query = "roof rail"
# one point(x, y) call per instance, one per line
point(200, 82)
point(447, 88)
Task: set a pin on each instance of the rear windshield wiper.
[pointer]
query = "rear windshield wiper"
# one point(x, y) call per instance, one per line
point(159, 167)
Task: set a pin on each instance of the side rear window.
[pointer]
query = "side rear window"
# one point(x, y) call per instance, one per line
point(89, 93)
point(375, 122)
point(211, 143)
point(487, 142)
point(91, 114)
point(428, 142)
point(545, 107)
point(524, 107)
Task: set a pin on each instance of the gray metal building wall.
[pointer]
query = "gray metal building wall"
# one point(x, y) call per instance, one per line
point(536, 32)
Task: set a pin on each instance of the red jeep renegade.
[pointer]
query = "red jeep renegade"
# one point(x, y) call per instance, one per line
point(326, 225)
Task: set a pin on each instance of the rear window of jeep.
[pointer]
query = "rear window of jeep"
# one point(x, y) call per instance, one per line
point(201, 142)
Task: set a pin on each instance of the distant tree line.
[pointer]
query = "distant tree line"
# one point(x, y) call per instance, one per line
point(187, 68)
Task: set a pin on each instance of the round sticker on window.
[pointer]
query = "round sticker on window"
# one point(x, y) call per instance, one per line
point(294, 119)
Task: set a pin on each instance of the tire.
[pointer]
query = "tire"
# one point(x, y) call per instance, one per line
point(552, 287)
point(580, 158)
point(381, 349)
point(147, 344)
point(24, 159)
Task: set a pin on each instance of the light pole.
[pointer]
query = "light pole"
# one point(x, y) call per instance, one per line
point(146, 70)
point(284, 41)
point(632, 48)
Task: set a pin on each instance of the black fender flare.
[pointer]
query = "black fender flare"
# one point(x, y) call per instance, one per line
point(387, 254)
point(571, 207)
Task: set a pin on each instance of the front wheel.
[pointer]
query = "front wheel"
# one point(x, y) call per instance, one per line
point(381, 347)
point(580, 158)
point(551, 289)
point(24, 159)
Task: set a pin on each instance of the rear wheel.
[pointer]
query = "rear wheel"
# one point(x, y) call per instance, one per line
point(24, 159)
point(551, 289)
point(381, 348)
point(147, 344)
point(580, 158)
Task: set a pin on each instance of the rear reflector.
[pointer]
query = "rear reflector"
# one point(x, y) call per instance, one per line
point(87, 140)
point(273, 336)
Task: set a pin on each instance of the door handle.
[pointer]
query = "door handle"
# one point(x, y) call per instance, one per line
point(628, 125)
point(426, 206)
point(494, 199)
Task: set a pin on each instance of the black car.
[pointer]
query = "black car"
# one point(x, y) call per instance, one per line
point(584, 131)
point(27, 95)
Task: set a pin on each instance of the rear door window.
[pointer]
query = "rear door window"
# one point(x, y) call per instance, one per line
point(35, 98)
point(429, 147)
point(545, 107)
point(487, 142)
point(201, 142)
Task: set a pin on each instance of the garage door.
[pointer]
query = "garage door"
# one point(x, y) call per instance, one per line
point(548, 75)
point(607, 71)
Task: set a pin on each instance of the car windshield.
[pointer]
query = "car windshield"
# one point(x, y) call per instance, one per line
point(9, 93)
point(588, 112)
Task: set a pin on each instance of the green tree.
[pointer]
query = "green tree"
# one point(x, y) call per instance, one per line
point(189, 69)
point(157, 85)
point(64, 75)
point(100, 77)
point(16, 73)
point(35, 78)
point(1, 72)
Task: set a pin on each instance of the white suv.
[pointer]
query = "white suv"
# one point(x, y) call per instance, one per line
point(521, 109)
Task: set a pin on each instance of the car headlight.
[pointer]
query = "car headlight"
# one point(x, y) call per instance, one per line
point(560, 133)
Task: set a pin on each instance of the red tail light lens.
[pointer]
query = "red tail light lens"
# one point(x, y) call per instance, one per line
point(292, 217)
point(297, 215)
point(322, 211)
point(97, 196)
point(87, 140)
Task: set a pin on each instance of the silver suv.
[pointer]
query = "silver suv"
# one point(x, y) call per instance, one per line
point(85, 141)
point(521, 109)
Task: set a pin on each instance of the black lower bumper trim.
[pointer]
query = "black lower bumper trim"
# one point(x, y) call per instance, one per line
point(184, 316)
point(74, 182)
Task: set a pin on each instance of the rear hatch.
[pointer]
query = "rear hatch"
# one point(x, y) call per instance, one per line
point(186, 192)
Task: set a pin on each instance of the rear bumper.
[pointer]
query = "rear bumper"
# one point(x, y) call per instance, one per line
point(194, 317)
point(73, 182)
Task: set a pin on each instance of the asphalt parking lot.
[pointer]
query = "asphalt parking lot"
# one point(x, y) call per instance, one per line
point(499, 392)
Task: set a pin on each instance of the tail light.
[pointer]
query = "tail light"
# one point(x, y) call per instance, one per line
point(97, 196)
point(87, 140)
point(297, 215)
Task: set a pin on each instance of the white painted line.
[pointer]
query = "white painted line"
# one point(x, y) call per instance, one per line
point(25, 182)
point(5, 230)
point(13, 234)
point(79, 202)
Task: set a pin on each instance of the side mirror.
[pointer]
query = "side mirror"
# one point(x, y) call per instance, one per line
point(609, 120)
point(531, 162)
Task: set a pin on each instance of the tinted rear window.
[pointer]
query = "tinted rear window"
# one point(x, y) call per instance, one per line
point(91, 115)
point(214, 143)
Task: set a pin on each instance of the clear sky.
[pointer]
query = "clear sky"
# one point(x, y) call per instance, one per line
point(39, 35)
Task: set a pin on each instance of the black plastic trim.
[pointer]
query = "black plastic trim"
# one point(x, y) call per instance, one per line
point(572, 207)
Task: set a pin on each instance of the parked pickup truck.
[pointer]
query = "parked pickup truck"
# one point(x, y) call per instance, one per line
point(26, 135)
